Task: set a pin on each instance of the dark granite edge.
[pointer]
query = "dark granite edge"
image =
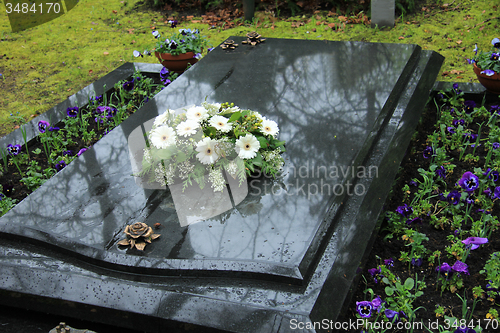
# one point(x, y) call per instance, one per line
point(414, 107)
point(336, 204)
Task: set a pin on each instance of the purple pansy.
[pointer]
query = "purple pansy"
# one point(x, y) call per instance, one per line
point(495, 145)
point(375, 273)
point(441, 172)
point(13, 150)
point(364, 308)
point(428, 152)
point(450, 130)
point(464, 330)
point(394, 316)
point(81, 151)
point(496, 193)
point(460, 267)
point(404, 210)
point(469, 181)
point(72, 112)
point(453, 197)
point(137, 54)
point(494, 56)
point(68, 153)
point(445, 270)
point(457, 122)
point(173, 23)
point(492, 174)
point(469, 106)
point(43, 125)
point(54, 129)
point(416, 262)
point(389, 262)
point(60, 165)
point(129, 85)
point(474, 242)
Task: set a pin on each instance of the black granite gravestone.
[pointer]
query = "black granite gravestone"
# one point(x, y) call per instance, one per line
point(281, 260)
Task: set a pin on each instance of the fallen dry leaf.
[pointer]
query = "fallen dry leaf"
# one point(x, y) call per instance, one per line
point(115, 12)
point(106, 53)
point(401, 37)
point(459, 42)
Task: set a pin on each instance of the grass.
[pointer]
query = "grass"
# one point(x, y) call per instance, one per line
point(44, 65)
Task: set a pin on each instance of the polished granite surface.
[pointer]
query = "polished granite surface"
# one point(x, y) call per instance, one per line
point(346, 110)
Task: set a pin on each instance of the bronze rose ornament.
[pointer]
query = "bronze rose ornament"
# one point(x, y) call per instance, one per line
point(138, 235)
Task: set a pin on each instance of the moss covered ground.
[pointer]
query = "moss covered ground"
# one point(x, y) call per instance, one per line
point(43, 65)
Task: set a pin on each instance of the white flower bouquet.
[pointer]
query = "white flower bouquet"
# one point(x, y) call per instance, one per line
point(207, 140)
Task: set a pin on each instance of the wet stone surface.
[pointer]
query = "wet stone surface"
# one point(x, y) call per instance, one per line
point(253, 261)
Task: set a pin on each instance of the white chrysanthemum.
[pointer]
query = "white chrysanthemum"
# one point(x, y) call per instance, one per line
point(220, 123)
point(206, 151)
point(162, 137)
point(197, 113)
point(247, 146)
point(162, 119)
point(187, 128)
point(270, 127)
point(212, 108)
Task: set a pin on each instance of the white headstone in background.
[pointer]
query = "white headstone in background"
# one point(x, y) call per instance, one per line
point(383, 13)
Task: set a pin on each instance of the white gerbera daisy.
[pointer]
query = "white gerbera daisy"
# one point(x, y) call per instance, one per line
point(220, 123)
point(197, 113)
point(187, 128)
point(162, 137)
point(247, 146)
point(270, 127)
point(206, 151)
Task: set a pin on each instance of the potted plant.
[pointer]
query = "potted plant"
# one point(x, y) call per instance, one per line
point(179, 50)
point(487, 67)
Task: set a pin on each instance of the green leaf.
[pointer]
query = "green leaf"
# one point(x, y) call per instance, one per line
point(409, 283)
point(385, 280)
point(263, 141)
point(235, 116)
point(389, 291)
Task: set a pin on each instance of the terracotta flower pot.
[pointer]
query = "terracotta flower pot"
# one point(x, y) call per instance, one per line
point(177, 63)
point(491, 83)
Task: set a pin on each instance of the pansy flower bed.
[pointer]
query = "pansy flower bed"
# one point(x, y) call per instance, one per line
point(435, 266)
point(27, 165)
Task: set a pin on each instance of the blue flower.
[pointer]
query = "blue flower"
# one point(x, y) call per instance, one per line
point(173, 23)
point(496, 43)
point(364, 308)
point(67, 153)
point(455, 88)
point(457, 122)
point(445, 270)
point(156, 34)
point(137, 54)
point(72, 112)
point(494, 56)
point(394, 316)
point(495, 145)
point(469, 181)
point(495, 108)
point(13, 150)
point(42, 126)
point(450, 130)
point(54, 129)
point(488, 72)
